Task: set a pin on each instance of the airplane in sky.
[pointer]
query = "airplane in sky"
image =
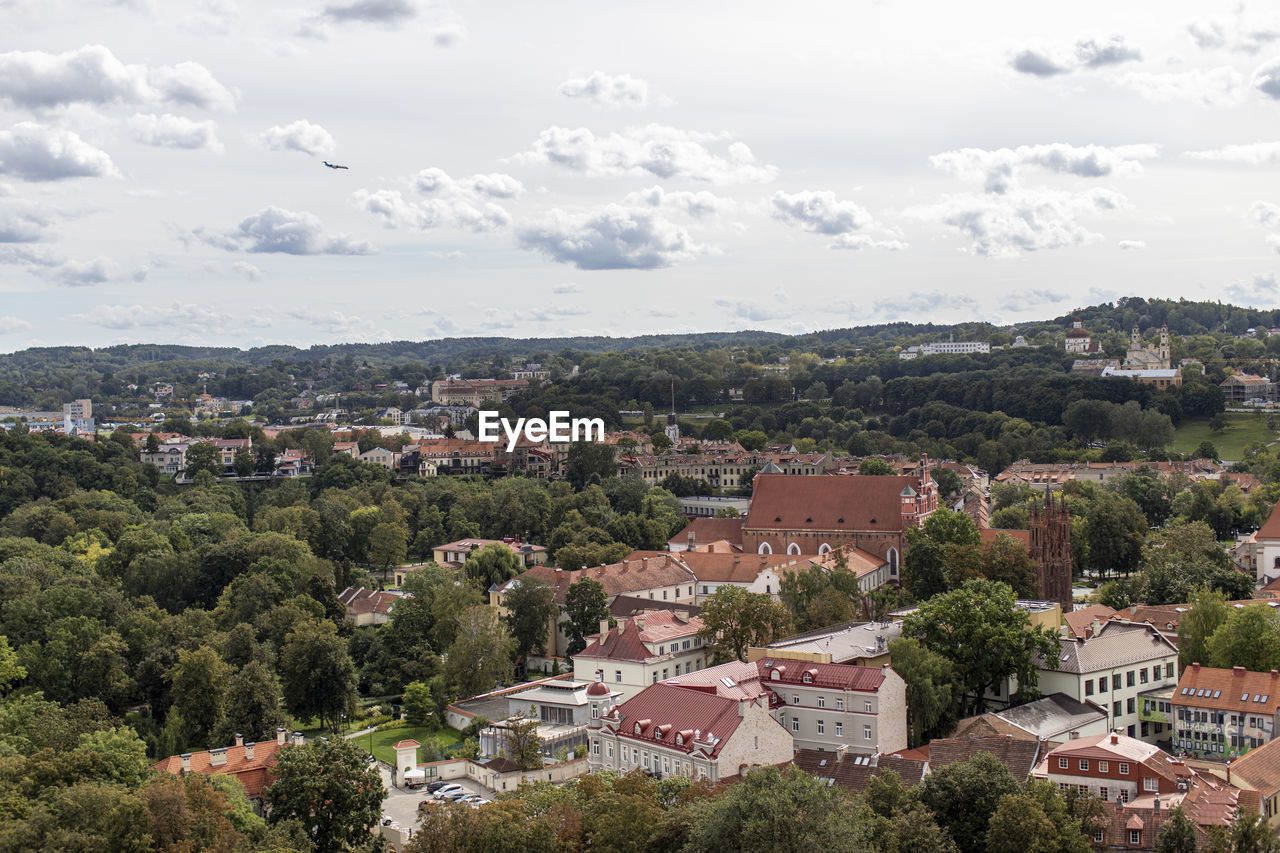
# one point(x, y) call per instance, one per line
point(333, 166)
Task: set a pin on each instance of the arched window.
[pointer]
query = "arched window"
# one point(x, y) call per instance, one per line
point(793, 548)
point(764, 548)
point(824, 548)
point(892, 557)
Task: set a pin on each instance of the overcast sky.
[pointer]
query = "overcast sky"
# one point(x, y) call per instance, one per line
point(546, 168)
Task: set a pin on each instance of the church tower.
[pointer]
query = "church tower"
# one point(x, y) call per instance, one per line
point(673, 428)
point(1135, 339)
point(1165, 356)
point(1051, 550)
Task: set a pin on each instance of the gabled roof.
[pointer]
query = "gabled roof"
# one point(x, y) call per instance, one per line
point(367, 601)
point(721, 567)
point(1053, 715)
point(1228, 690)
point(853, 772)
point(255, 775)
point(1018, 755)
point(788, 502)
point(1117, 644)
point(732, 680)
point(706, 530)
point(630, 640)
point(837, 676)
point(1271, 527)
point(1259, 768)
point(990, 534)
point(664, 711)
point(1081, 621)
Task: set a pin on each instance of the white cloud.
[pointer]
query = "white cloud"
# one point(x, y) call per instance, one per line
point(372, 11)
point(247, 270)
point(1230, 34)
point(698, 204)
point(567, 287)
point(1267, 215)
point(337, 322)
point(820, 212)
point(33, 152)
point(1262, 290)
point(608, 91)
point(11, 325)
point(300, 135)
point(93, 75)
point(1210, 87)
point(999, 170)
point(666, 152)
point(1132, 245)
point(609, 237)
point(22, 222)
point(913, 306)
point(1088, 53)
point(781, 307)
point(444, 202)
point(274, 229)
point(1266, 79)
point(1020, 221)
point(170, 131)
point(200, 319)
point(41, 261)
point(1252, 154)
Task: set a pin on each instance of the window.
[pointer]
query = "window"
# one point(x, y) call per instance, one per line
point(808, 679)
point(866, 706)
point(822, 729)
point(1104, 766)
point(1084, 764)
point(1115, 681)
point(822, 701)
point(1150, 784)
point(664, 595)
point(685, 646)
point(677, 669)
point(595, 711)
point(1142, 675)
point(1168, 670)
point(795, 725)
point(662, 649)
point(839, 729)
point(795, 699)
point(1062, 764)
point(664, 677)
point(839, 704)
point(595, 747)
point(1128, 678)
point(866, 732)
point(1104, 794)
point(1098, 837)
point(635, 756)
point(1124, 768)
point(1115, 709)
point(1088, 687)
point(1135, 836)
point(1123, 795)
point(609, 749)
point(617, 676)
point(1129, 706)
point(704, 589)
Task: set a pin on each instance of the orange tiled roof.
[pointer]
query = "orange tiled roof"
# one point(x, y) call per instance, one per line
point(1234, 689)
point(255, 775)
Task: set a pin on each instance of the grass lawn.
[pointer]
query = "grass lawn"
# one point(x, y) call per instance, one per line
point(383, 740)
point(1242, 430)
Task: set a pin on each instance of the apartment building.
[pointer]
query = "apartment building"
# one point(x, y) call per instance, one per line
point(1223, 713)
point(642, 651)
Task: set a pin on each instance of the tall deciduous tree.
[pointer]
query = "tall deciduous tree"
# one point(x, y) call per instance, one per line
point(530, 606)
point(329, 787)
point(932, 694)
point(985, 635)
point(199, 692)
point(1177, 834)
point(317, 673)
point(585, 605)
point(1208, 612)
point(736, 619)
point(492, 564)
point(963, 797)
point(480, 657)
point(1249, 638)
point(1116, 531)
point(252, 704)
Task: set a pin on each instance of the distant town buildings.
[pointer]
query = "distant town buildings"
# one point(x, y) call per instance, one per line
point(949, 347)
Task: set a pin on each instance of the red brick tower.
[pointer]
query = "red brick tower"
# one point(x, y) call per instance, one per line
point(1051, 549)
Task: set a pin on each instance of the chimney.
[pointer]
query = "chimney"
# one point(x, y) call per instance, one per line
point(1115, 738)
point(239, 739)
point(1097, 624)
point(1236, 670)
point(1275, 674)
point(1155, 808)
point(1073, 735)
point(298, 739)
point(186, 762)
point(248, 751)
point(639, 623)
point(742, 707)
point(218, 757)
point(604, 630)
point(280, 736)
point(693, 539)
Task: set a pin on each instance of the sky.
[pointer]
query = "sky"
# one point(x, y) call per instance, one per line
point(568, 168)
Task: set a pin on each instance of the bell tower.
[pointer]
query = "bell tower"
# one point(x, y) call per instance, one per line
point(1051, 550)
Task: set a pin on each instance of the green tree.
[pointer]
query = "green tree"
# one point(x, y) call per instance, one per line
point(387, 545)
point(521, 743)
point(1177, 834)
point(10, 671)
point(252, 704)
point(419, 708)
point(585, 605)
point(492, 564)
point(1116, 531)
point(932, 693)
point(735, 619)
point(987, 638)
point(531, 607)
point(963, 796)
point(875, 468)
point(1249, 638)
point(243, 463)
point(317, 673)
point(329, 787)
point(203, 456)
point(1035, 820)
point(1205, 450)
point(771, 811)
point(589, 462)
point(199, 692)
point(1208, 612)
point(480, 657)
point(1251, 833)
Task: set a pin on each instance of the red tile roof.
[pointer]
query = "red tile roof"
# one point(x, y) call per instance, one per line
point(789, 502)
point(367, 601)
point(706, 530)
point(663, 711)
point(1228, 690)
point(723, 567)
point(1259, 768)
point(1081, 621)
point(628, 640)
point(255, 775)
point(1271, 527)
point(1016, 754)
point(990, 535)
point(837, 676)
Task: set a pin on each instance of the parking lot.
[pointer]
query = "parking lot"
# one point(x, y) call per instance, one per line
point(401, 804)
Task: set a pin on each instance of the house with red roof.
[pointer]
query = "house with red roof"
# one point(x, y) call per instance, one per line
point(668, 730)
point(250, 763)
point(641, 651)
point(1261, 553)
point(1223, 713)
point(367, 606)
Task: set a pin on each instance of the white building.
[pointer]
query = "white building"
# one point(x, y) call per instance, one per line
point(952, 347)
point(642, 651)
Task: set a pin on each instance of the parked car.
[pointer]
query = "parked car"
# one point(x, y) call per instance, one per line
point(436, 786)
point(443, 792)
point(469, 798)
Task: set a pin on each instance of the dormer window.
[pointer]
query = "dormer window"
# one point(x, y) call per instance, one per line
point(773, 676)
point(637, 728)
point(679, 739)
point(808, 679)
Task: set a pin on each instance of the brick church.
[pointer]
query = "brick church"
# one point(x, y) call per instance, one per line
point(813, 515)
point(1049, 542)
